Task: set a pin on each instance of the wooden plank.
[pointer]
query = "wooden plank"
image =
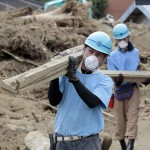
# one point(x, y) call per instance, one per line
point(129, 76)
point(49, 70)
point(58, 67)
point(137, 77)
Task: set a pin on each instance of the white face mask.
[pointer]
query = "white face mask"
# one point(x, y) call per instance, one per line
point(123, 44)
point(91, 62)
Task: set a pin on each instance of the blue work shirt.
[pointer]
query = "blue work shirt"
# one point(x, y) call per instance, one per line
point(74, 117)
point(128, 61)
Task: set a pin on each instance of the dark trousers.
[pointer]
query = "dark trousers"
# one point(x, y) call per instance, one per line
point(87, 143)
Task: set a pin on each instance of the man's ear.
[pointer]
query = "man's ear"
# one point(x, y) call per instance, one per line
point(83, 50)
point(116, 42)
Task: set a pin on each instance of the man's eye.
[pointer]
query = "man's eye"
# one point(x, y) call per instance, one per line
point(90, 51)
point(98, 54)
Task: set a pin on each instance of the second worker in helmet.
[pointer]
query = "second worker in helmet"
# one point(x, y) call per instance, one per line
point(127, 96)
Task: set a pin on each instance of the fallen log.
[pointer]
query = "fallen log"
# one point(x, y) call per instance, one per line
point(21, 12)
point(58, 67)
point(47, 17)
point(67, 12)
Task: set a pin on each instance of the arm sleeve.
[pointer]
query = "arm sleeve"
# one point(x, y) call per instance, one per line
point(110, 65)
point(54, 94)
point(86, 95)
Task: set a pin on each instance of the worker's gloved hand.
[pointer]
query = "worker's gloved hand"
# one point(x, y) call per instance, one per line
point(147, 81)
point(72, 69)
point(118, 80)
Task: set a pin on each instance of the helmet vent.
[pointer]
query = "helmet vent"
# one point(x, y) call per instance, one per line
point(98, 43)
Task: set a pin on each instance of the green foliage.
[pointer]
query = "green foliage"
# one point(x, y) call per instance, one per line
point(98, 8)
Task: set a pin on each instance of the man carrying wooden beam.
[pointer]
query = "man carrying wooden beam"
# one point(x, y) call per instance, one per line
point(127, 96)
point(80, 96)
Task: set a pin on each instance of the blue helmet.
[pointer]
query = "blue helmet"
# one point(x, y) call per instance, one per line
point(120, 31)
point(99, 41)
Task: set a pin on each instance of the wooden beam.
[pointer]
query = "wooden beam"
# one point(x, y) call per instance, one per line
point(129, 76)
point(58, 67)
point(42, 74)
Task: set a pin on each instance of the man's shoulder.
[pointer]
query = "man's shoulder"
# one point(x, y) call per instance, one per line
point(106, 80)
point(104, 76)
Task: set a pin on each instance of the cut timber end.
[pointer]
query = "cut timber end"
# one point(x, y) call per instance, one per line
point(6, 86)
